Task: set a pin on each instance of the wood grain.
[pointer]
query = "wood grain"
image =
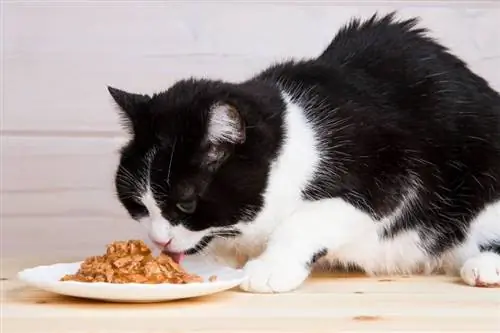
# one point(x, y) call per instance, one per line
point(326, 303)
point(58, 56)
point(59, 176)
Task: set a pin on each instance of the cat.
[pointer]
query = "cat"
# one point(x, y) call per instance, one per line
point(382, 153)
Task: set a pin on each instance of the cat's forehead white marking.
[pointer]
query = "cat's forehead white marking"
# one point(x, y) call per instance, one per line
point(147, 197)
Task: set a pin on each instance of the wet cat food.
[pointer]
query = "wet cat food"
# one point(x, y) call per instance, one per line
point(131, 262)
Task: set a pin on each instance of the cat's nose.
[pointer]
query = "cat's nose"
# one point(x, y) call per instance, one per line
point(159, 234)
point(160, 244)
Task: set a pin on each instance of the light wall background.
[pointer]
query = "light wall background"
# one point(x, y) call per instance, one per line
point(60, 133)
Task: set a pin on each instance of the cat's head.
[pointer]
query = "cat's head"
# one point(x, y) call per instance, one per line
point(196, 163)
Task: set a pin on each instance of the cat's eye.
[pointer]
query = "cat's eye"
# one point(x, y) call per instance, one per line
point(187, 207)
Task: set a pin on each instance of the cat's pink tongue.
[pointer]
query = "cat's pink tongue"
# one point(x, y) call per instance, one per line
point(177, 257)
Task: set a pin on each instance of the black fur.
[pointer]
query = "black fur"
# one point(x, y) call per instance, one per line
point(317, 256)
point(392, 105)
point(492, 246)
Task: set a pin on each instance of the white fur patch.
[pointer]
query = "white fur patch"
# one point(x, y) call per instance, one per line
point(158, 228)
point(366, 249)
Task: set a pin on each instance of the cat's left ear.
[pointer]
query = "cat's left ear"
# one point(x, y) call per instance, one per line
point(225, 125)
point(131, 104)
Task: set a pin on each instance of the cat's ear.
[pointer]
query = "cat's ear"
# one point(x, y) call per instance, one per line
point(225, 125)
point(131, 104)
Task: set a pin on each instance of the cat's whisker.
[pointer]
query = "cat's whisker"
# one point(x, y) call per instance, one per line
point(170, 162)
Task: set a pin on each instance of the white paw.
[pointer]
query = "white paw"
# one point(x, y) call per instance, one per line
point(273, 276)
point(482, 271)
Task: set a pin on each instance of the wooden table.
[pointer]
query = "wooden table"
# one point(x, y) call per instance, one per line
point(326, 303)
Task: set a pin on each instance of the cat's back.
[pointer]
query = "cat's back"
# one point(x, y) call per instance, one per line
point(397, 72)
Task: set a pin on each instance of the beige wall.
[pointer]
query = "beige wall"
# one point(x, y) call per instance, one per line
point(60, 132)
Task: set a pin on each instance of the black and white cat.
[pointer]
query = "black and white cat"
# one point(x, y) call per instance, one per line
point(382, 153)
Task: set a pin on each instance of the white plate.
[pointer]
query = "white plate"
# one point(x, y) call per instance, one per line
point(47, 278)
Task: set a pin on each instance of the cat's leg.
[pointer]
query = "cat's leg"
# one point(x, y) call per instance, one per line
point(297, 242)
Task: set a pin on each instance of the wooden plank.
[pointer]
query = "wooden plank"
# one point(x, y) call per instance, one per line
point(327, 302)
point(62, 202)
point(59, 176)
point(77, 235)
point(49, 164)
point(84, 105)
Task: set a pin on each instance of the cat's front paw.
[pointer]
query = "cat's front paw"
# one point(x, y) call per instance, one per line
point(273, 276)
point(482, 271)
